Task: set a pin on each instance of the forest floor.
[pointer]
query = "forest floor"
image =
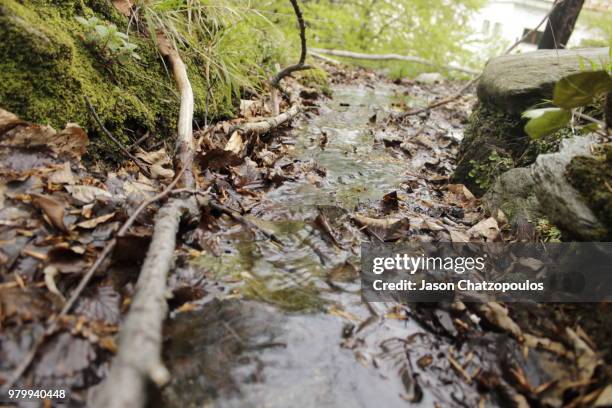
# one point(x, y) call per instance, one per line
point(266, 307)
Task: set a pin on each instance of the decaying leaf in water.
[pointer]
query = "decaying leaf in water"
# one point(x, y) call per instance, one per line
point(390, 202)
point(24, 304)
point(87, 194)
point(386, 229)
point(102, 305)
point(52, 208)
point(65, 355)
point(425, 361)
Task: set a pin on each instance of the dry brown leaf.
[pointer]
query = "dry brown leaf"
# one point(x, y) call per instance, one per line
point(605, 398)
point(52, 208)
point(586, 359)
point(387, 229)
point(461, 191)
point(487, 228)
point(71, 142)
point(94, 222)
point(497, 315)
point(458, 236)
point(87, 194)
point(63, 175)
point(235, 143)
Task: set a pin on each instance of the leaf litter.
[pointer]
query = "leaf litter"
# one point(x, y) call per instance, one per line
point(57, 216)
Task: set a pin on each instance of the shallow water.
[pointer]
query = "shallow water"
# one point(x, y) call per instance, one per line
point(287, 326)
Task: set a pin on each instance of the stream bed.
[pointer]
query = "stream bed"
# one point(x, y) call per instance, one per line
point(283, 324)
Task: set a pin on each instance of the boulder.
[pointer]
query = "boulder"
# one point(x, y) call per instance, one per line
point(562, 204)
point(516, 82)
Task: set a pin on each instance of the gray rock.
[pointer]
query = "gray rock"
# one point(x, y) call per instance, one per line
point(429, 78)
point(513, 193)
point(558, 200)
point(516, 82)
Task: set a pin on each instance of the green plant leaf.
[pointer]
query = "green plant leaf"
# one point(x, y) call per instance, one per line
point(579, 89)
point(102, 31)
point(545, 121)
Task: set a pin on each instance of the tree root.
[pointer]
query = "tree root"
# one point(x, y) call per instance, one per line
point(138, 360)
point(301, 65)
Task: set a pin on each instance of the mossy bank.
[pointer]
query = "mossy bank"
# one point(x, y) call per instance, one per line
point(47, 67)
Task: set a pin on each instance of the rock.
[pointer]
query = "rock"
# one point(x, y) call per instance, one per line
point(513, 193)
point(516, 82)
point(429, 78)
point(558, 200)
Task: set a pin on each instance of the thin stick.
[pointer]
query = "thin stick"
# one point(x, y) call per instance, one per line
point(125, 151)
point(76, 293)
point(301, 65)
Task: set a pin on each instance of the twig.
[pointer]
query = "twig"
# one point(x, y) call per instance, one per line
point(241, 219)
point(301, 65)
point(120, 145)
point(138, 361)
point(76, 293)
point(139, 141)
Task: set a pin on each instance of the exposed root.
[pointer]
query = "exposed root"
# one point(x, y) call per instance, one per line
point(138, 360)
point(301, 65)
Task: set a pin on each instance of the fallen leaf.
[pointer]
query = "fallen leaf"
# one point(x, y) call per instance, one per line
point(63, 175)
point(87, 194)
point(487, 228)
point(390, 202)
point(94, 222)
point(235, 143)
point(71, 142)
point(425, 361)
point(217, 159)
point(497, 315)
point(386, 229)
point(52, 208)
point(458, 236)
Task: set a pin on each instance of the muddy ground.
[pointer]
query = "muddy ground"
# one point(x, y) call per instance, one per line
point(266, 308)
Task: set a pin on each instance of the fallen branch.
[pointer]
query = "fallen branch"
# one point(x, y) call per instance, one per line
point(393, 57)
point(301, 65)
point(324, 58)
point(138, 360)
point(76, 293)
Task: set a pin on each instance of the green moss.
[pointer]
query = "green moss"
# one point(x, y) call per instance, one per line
point(591, 176)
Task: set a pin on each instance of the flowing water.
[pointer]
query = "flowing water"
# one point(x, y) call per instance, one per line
point(283, 324)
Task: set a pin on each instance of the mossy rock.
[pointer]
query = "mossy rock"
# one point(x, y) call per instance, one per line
point(46, 69)
point(515, 82)
point(591, 175)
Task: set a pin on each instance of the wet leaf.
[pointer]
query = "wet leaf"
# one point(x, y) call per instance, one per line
point(390, 202)
point(218, 159)
point(24, 304)
point(103, 305)
point(71, 142)
point(386, 229)
point(65, 356)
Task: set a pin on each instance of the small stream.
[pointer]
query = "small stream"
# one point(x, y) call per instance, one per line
point(283, 324)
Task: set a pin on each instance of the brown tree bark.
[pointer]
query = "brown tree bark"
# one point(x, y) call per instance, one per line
point(560, 24)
